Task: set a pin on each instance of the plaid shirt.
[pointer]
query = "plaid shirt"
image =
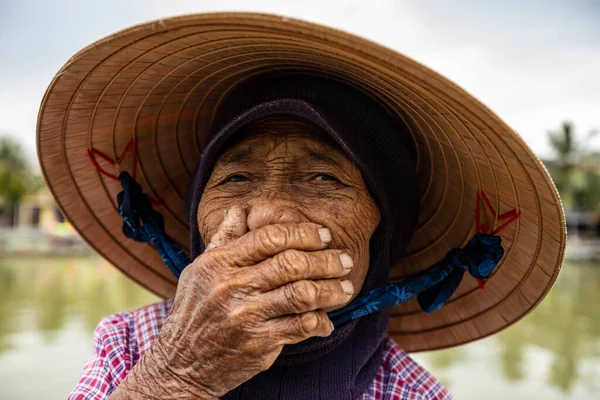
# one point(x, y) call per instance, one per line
point(121, 339)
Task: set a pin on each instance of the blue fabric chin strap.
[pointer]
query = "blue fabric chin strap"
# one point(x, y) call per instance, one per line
point(143, 224)
point(433, 287)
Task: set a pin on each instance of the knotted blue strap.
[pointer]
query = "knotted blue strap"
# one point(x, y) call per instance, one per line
point(141, 223)
point(434, 286)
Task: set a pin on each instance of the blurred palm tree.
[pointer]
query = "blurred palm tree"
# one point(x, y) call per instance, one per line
point(16, 177)
point(564, 145)
point(575, 180)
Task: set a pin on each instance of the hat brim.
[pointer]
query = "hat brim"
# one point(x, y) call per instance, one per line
point(162, 82)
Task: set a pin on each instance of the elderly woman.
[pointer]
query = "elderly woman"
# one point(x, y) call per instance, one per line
point(328, 180)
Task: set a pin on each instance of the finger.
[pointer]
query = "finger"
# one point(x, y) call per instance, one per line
point(234, 225)
point(292, 329)
point(294, 265)
point(269, 240)
point(302, 296)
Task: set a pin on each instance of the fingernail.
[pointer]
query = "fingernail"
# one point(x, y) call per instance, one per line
point(347, 286)
point(325, 235)
point(346, 260)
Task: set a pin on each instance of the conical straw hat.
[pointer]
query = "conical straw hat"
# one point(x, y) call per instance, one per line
point(162, 82)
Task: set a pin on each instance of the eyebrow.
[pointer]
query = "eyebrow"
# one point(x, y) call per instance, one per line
point(244, 156)
point(322, 157)
point(241, 156)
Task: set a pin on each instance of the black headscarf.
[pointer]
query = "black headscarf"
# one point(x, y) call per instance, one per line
point(343, 365)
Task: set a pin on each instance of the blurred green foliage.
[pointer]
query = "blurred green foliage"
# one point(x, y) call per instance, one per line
point(575, 168)
point(16, 177)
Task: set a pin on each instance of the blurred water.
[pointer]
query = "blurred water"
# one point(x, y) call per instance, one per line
point(49, 309)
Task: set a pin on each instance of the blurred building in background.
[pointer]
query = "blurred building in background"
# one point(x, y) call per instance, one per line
point(39, 211)
point(35, 226)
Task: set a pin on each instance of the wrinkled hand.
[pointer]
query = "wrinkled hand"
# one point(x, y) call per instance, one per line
point(237, 305)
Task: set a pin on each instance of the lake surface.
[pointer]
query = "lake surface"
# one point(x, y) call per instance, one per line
point(49, 309)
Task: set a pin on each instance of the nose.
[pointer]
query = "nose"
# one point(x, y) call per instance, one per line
point(273, 209)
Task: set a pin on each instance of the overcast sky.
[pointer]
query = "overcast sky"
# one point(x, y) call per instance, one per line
point(535, 63)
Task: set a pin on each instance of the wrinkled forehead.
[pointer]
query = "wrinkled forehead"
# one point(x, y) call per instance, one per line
point(278, 136)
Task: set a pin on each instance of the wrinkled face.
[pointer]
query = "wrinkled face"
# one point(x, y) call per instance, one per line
point(283, 169)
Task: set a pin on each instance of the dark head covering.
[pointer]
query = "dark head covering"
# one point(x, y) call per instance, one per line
point(381, 148)
point(378, 144)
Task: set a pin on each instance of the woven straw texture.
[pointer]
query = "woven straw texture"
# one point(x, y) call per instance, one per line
point(161, 83)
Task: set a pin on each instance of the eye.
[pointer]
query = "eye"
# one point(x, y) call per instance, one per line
point(325, 177)
point(236, 178)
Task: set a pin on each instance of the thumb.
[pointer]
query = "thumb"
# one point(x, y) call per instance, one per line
point(234, 225)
